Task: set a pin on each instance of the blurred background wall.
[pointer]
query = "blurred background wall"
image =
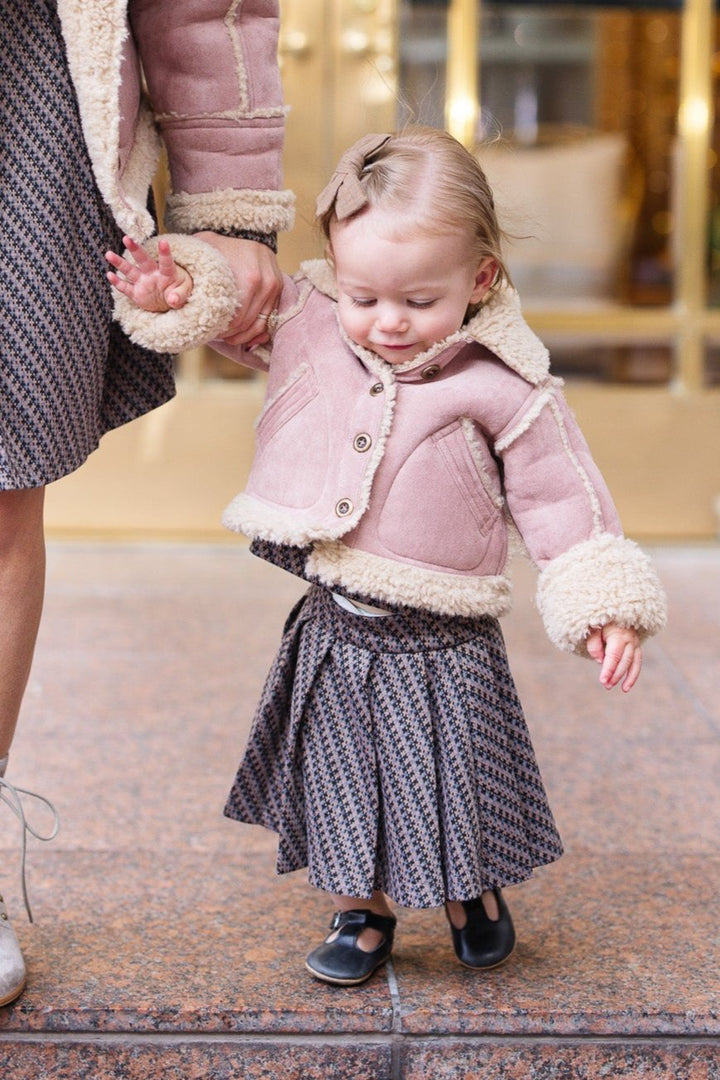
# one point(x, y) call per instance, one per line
point(598, 128)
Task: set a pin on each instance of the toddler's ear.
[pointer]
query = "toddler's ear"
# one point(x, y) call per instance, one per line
point(484, 277)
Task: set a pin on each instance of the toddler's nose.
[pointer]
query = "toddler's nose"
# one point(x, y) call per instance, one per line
point(391, 319)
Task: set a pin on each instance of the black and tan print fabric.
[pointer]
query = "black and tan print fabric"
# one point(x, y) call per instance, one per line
point(392, 753)
point(67, 373)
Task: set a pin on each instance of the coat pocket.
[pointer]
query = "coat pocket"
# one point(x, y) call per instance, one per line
point(291, 444)
point(444, 506)
point(473, 470)
point(285, 403)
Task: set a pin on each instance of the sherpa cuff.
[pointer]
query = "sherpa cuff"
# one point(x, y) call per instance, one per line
point(607, 579)
point(205, 316)
point(217, 211)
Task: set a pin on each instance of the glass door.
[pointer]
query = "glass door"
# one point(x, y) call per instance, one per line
point(598, 127)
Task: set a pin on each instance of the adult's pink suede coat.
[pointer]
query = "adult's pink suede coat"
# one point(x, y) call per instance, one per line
point(213, 100)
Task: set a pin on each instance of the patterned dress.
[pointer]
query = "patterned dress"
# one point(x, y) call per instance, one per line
point(392, 753)
point(67, 372)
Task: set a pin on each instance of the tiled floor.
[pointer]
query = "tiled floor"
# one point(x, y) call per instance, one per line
point(164, 945)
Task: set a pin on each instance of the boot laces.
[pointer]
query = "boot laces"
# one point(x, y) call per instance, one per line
point(10, 795)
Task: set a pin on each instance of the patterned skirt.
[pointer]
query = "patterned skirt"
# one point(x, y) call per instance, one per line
point(392, 753)
point(68, 373)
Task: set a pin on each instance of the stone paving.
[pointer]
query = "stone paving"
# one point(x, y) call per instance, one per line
point(164, 945)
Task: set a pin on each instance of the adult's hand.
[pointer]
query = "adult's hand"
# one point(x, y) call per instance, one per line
point(259, 282)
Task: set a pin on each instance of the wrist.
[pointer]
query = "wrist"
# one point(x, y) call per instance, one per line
point(206, 312)
point(268, 239)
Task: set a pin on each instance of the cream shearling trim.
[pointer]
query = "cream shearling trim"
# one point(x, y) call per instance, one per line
point(549, 399)
point(304, 289)
point(321, 275)
point(371, 360)
point(216, 211)
point(606, 579)
point(378, 449)
point(584, 478)
point(272, 112)
point(460, 337)
point(499, 326)
point(138, 175)
point(261, 521)
point(207, 313)
point(477, 447)
point(94, 34)
point(507, 438)
point(393, 582)
point(238, 51)
point(300, 371)
point(243, 111)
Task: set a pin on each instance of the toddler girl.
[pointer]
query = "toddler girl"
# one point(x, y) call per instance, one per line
point(411, 433)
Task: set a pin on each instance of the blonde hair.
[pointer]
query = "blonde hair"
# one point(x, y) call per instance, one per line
point(424, 174)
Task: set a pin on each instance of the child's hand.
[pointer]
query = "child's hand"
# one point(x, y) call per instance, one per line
point(153, 286)
point(618, 650)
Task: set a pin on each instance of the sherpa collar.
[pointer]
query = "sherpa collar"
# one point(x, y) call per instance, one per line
point(95, 35)
point(498, 326)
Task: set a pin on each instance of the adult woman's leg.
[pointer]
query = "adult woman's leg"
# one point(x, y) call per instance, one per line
point(22, 584)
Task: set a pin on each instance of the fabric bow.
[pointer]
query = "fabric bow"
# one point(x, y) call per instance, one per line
point(344, 189)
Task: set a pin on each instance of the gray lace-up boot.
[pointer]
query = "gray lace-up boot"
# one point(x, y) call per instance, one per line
point(12, 965)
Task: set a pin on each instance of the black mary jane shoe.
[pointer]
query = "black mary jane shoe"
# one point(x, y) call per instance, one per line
point(484, 942)
point(342, 961)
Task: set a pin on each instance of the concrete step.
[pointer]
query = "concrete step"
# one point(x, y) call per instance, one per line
point(165, 946)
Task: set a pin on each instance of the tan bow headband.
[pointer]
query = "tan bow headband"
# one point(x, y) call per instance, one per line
point(344, 190)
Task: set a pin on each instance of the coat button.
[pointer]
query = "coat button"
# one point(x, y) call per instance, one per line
point(344, 507)
point(376, 389)
point(430, 371)
point(362, 442)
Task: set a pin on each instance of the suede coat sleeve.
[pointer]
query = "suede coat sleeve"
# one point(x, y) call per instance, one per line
point(590, 574)
point(214, 87)
point(215, 96)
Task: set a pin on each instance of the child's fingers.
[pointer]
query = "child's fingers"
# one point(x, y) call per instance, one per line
point(632, 675)
point(145, 262)
point(619, 654)
point(595, 645)
point(130, 271)
point(165, 262)
point(141, 257)
point(120, 284)
point(618, 650)
point(177, 295)
point(134, 248)
point(613, 668)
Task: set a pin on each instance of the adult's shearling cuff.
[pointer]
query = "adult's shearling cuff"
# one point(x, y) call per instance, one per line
point(606, 579)
point(205, 316)
point(217, 211)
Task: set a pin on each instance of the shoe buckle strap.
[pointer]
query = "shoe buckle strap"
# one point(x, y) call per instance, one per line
point(360, 918)
point(339, 920)
point(10, 795)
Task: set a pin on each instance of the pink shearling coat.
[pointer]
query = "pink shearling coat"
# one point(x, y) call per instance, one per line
point(212, 97)
point(408, 482)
